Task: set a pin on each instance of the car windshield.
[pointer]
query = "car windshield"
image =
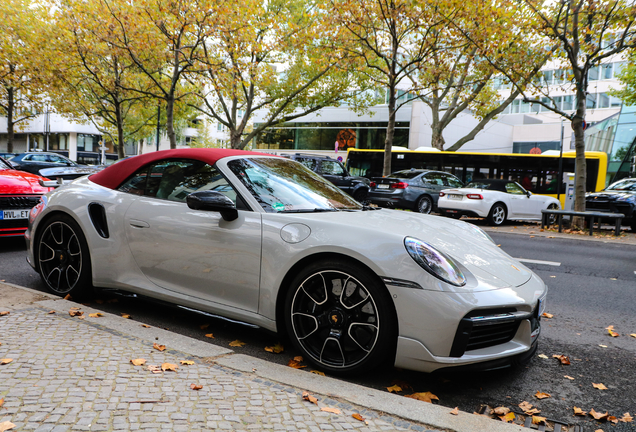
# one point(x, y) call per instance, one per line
point(3, 165)
point(478, 185)
point(284, 186)
point(406, 174)
point(623, 185)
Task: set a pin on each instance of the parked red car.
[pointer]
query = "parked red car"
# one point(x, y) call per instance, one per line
point(19, 192)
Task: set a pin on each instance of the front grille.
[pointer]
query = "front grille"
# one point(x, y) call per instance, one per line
point(609, 206)
point(18, 202)
point(483, 329)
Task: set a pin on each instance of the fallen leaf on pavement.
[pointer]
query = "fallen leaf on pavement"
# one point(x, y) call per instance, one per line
point(633, 335)
point(125, 316)
point(187, 362)
point(394, 388)
point(5, 426)
point(611, 332)
point(276, 349)
point(501, 411)
point(237, 343)
point(425, 396)
point(1, 402)
point(138, 362)
point(455, 411)
point(538, 420)
point(210, 335)
point(541, 395)
point(67, 297)
point(508, 417)
point(599, 386)
point(169, 367)
point(96, 315)
point(317, 372)
point(599, 416)
point(612, 419)
point(154, 369)
point(145, 325)
point(196, 386)
point(331, 410)
point(543, 356)
point(204, 326)
point(75, 313)
point(298, 358)
point(565, 360)
point(568, 377)
point(295, 364)
point(626, 418)
point(547, 315)
point(3, 313)
point(578, 411)
point(357, 417)
point(5, 361)
point(310, 398)
point(51, 312)
point(603, 346)
point(158, 347)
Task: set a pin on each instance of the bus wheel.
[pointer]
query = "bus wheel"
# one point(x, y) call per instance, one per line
point(497, 215)
point(425, 204)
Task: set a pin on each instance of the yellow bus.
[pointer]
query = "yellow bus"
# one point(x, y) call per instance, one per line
point(536, 173)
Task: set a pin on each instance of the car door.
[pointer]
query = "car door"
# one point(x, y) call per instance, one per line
point(433, 183)
point(334, 172)
point(193, 252)
point(520, 203)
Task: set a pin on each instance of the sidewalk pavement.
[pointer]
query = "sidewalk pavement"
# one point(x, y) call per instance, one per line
point(72, 374)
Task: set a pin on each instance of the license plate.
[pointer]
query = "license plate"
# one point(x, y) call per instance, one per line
point(455, 197)
point(383, 186)
point(14, 214)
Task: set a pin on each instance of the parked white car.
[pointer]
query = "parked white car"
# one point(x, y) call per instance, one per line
point(496, 200)
point(264, 240)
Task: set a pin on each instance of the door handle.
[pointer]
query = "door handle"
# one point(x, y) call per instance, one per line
point(139, 223)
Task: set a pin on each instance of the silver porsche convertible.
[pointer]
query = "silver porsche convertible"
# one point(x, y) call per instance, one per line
point(264, 240)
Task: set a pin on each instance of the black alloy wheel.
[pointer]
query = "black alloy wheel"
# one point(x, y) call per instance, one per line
point(361, 195)
point(63, 259)
point(497, 215)
point(340, 318)
point(552, 218)
point(425, 204)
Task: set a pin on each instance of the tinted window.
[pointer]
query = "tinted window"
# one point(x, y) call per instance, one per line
point(515, 189)
point(3, 165)
point(623, 185)
point(309, 163)
point(434, 178)
point(174, 180)
point(406, 174)
point(452, 181)
point(56, 159)
point(332, 167)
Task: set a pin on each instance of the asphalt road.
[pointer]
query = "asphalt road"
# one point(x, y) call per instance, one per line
point(593, 286)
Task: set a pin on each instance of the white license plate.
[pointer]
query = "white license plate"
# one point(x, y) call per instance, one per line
point(455, 197)
point(15, 214)
point(383, 186)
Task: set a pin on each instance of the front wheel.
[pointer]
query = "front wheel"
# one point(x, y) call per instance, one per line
point(425, 204)
point(63, 259)
point(552, 218)
point(497, 215)
point(340, 317)
point(361, 195)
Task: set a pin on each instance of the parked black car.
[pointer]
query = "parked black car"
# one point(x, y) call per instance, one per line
point(619, 197)
point(414, 189)
point(334, 171)
point(33, 162)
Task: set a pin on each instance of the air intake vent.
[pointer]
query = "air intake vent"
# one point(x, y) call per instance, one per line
point(98, 217)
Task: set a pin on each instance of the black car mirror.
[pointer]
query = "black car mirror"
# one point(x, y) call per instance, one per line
point(213, 201)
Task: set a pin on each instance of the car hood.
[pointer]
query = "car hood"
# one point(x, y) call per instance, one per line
point(611, 195)
point(20, 182)
point(73, 171)
point(461, 240)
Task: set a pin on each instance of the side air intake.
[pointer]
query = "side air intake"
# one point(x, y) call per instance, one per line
point(98, 217)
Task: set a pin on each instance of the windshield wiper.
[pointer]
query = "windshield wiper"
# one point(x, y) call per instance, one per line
point(316, 210)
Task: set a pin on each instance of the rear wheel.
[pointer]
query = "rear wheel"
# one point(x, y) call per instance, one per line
point(63, 259)
point(552, 218)
point(424, 204)
point(497, 215)
point(361, 196)
point(340, 317)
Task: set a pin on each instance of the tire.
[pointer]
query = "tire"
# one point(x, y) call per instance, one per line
point(361, 195)
point(341, 331)
point(63, 259)
point(552, 218)
point(424, 204)
point(633, 225)
point(497, 214)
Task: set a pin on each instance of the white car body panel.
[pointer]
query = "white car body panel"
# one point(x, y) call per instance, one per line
point(521, 207)
point(237, 269)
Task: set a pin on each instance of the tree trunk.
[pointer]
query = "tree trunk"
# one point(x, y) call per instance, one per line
point(120, 133)
point(580, 170)
point(390, 131)
point(235, 140)
point(437, 139)
point(10, 125)
point(172, 136)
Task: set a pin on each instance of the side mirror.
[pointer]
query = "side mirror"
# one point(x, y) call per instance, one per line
point(213, 201)
point(528, 193)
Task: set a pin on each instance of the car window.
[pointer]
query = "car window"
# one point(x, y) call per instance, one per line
point(309, 163)
point(406, 174)
point(623, 185)
point(433, 178)
point(174, 180)
point(452, 181)
point(332, 168)
point(56, 159)
point(515, 189)
point(3, 165)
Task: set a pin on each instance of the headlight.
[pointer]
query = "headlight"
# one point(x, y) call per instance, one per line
point(435, 262)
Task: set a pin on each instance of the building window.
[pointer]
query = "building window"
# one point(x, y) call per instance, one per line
point(592, 74)
point(607, 70)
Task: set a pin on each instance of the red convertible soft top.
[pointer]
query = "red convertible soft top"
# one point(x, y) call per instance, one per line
point(117, 173)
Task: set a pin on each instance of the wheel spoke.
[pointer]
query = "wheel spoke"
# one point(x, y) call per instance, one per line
point(324, 289)
point(298, 314)
point(52, 253)
point(48, 277)
point(74, 244)
point(324, 347)
point(371, 331)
